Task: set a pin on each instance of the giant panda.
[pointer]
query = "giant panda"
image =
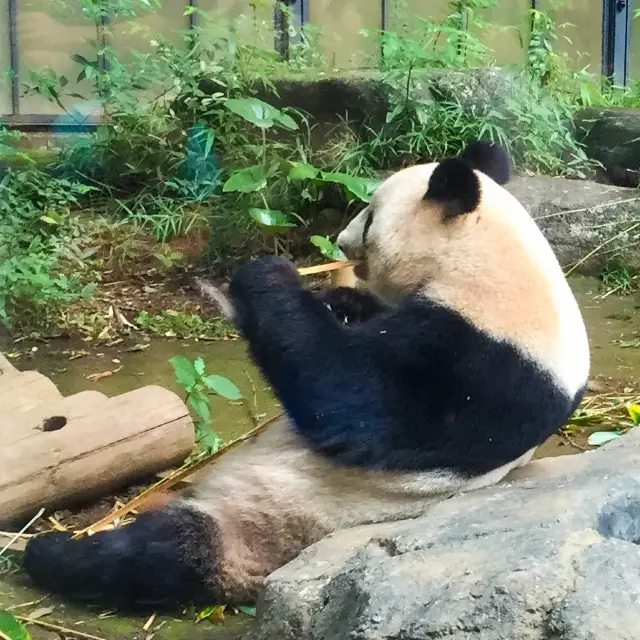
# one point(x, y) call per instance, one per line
point(465, 352)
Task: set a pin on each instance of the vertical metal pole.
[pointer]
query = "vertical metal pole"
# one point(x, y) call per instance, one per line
point(305, 12)
point(105, 21)
point(607, 39)
point(281, 29)
point(299, 9)
point(386, 14)
point(14, 56)
point(619, 28)
point(616, 28)
point(626, 28)
point(194, 18)
point(385, 22)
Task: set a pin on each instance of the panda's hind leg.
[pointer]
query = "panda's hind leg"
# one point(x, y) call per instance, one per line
point(164, 559)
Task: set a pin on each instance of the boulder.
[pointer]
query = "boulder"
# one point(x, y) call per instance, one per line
point(612, 137)
point(551, 552)
point(478, 90)
point(364, 97)
point(587, 223)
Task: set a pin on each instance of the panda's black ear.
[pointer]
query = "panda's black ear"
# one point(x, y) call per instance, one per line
point(455, 187)
point(490, 158)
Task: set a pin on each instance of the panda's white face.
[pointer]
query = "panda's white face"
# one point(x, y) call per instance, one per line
point(400, 240)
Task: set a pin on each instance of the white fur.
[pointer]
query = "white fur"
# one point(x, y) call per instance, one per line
point(272, 497)
point(569, 358)
point(277, 475)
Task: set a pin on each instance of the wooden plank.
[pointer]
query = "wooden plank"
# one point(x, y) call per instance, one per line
point(123, 439)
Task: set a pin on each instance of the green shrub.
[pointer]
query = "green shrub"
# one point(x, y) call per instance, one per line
point(38, 249)
point(534, 121)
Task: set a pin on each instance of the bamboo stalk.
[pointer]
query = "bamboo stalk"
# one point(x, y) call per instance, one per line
point(322, 268)
point(56, 627)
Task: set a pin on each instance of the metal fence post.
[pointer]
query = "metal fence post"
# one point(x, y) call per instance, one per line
point(14, 56)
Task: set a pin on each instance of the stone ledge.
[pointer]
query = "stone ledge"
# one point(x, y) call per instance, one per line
point(586, 222)
point(549, 553)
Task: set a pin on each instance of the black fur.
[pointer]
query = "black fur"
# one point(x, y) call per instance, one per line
point(490, 158)
point(350, 305)
point(414, 388)
point(367, 225)
point(162, 560)
point(455, 186)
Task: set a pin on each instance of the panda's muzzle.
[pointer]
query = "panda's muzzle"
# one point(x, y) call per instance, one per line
point(357, 255)
point(361, 270)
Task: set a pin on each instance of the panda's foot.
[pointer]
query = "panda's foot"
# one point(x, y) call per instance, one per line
point(163, 560)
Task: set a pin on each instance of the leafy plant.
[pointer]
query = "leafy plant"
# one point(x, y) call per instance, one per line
point(259, 113)
point(11, 628)
point(541, 41)
point(192, 376)
point(257, 179)
point(616, 279)
point(38, 248)
point(327, 248)
point(534, 120)
point(190, 141)
point(176, 134)
point(169, 258)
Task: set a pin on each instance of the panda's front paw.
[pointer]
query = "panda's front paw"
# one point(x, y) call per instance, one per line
point(351, 306)
point(270, 273)
point(254, 290)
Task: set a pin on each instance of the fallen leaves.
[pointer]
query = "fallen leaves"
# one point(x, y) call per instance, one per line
point(94, 377)
point(598, 438)
point(214, 613)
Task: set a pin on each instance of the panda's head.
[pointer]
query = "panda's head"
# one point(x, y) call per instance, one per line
point(426, 220)
point(451, 232)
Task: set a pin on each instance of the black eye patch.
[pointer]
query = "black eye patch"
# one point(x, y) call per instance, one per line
point(367, 224)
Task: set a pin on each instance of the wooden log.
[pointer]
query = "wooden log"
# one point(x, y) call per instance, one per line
point(43, 416)
point(21, 391)
point(99, 445)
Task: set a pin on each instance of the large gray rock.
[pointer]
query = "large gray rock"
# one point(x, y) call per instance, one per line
point(612, 137)
point(478, 90)
point(364, 97)
point(585, 222)
point(551, 553)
